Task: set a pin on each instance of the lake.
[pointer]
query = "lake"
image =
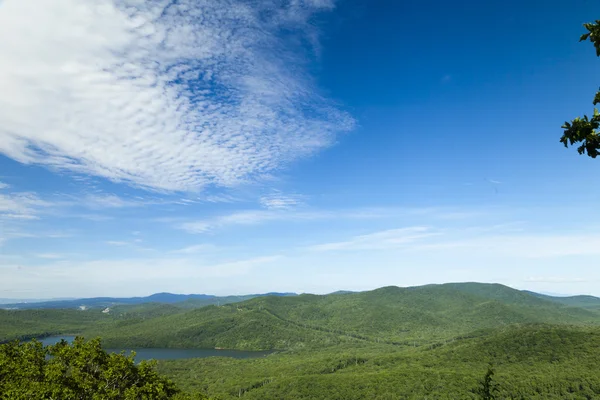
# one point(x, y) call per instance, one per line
point(169, 354)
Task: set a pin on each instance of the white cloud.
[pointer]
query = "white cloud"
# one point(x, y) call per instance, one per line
point(50, 256)
point(162, 95)
point(22, 206)
point(251, 217)
point(220, 198)
point(119, 243)
point(238, 218)
point(194, 249)
point(500, 240)
point(388, 239)
point(29, 205)
point(108, 201)
point(133, 244)
point(100, 201)
point(280, 201)
point(4, 185)
point(91, 217)
point(256, 217)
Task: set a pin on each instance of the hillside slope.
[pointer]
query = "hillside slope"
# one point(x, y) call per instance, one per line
point(587, 302)
point(400, 316)
point(26, 324)
point(531, 362)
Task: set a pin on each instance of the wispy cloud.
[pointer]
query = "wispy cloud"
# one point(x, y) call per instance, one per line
point(99, 201)
point(133, 244)
point(106, 201)
point(30, 205)
point(220, 198)
point(4, 185)
point(253, 217)
point(283, 214)
point(238, 218)
point(23, 206)
point(119, 243)
point(14, 230)
point(195, 249)
point(388, 239)
point(162, 95)
point(280, 201)
point(136, 244)
point(494, 181)
point(91, 217)
point(500, 240)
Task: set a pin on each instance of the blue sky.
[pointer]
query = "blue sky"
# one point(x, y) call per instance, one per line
point(232, 147)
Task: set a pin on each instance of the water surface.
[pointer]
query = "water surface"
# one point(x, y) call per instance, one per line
point(169, 354)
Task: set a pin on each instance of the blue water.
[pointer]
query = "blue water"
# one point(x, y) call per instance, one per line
point(169, 354)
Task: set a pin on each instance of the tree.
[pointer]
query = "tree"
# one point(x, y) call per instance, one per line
point(487, 388)
point(81, 371)
point(585, 130)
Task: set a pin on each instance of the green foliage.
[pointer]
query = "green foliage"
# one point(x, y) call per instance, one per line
point(487, 388)
point(433, 342)
point(418, 316)
point(593, 34)
point(27, 324)
point(583, 129)
point(223, 327)
point(78, 371)
point(533, 362)
point(398, 316)
point(582, 301)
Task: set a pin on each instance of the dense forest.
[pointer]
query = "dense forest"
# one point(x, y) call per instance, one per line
point(434, 341)
point(540, 362)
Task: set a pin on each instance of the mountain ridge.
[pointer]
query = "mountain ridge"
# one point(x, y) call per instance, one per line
point(392, 315)
point(162, 297)
point(494, 290)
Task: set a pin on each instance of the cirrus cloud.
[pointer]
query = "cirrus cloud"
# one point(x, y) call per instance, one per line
point(163, 95)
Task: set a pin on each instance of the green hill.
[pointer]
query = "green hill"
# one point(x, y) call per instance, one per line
point(400, 316)
point(588, 302)
point(414, 316)
point(431, 341)
point(26, 324)
point(531, 362)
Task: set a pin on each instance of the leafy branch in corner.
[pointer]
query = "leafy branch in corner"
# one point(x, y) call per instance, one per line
point(584, 130)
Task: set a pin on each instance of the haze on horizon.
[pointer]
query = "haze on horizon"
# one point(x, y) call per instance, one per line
point(235, 147)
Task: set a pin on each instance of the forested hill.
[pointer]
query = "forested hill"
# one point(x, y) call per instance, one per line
point(531, 362)
point(589, 302)
point(433, 340)
point(398, 316)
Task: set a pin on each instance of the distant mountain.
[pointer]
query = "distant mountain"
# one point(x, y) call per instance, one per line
point(277, 294)
point(393, 315)
point(582, 301)
point(343, 292)
point(15, 301)
point(9, 301)
point(184, 300)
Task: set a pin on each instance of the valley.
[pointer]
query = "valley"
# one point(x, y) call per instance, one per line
point(433, 341)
